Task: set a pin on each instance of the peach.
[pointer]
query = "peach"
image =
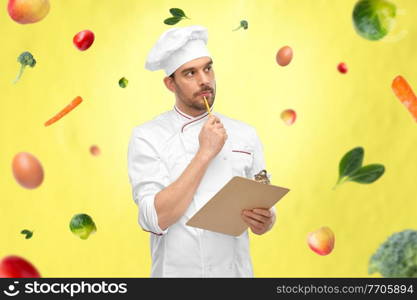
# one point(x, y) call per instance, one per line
point(28, 11)
point(288, 116)
point(321, 241)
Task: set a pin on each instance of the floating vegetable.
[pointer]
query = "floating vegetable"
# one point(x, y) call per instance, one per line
point(243, 24)
point(25, 59)
point(27, 170)
point(17, 267)
point(284, 56)
point(83, 39)
point(177, 15)
point(94, 150)
point(350, 168)
point(321, 240)
point(288, 116)
point(406, 95)
point(64, 111)
point(342, 67)
point(28, 233)
point(373, 19)
point(397, 256)
point(82, 225)
point(123, 82)
point(28, 11)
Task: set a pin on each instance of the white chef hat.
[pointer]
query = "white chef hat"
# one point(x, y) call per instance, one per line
point(177, 46)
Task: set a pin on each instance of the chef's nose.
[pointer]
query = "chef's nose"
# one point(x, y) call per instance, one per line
point(203, 78)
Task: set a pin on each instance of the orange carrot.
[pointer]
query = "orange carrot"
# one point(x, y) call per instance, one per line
point(64, 111)
point(406, 95)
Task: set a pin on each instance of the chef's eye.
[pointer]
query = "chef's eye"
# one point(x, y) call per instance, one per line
point(208, 68)
point(189, 73)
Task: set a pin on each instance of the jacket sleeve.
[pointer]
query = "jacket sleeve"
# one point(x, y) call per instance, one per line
point(258, 162)
point(147, 175)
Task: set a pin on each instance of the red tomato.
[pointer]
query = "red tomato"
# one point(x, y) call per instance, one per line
point(342, 67)
point(17, 267)
point(83, 39)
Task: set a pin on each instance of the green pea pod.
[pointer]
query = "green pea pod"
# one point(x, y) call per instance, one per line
point(367, 174)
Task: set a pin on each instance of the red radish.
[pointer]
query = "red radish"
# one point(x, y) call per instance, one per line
point(342, 67)
point(83, 39)
point(17, 267)
point(321, 241)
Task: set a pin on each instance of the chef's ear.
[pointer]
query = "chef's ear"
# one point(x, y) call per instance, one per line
point(170, 83)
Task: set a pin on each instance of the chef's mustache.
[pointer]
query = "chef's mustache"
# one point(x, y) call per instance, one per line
point(206, 89)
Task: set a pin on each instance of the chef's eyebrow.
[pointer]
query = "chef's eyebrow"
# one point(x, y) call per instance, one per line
point(191, 69)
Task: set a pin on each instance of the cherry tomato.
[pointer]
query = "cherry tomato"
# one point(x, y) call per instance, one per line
point(83, 39)
point(342, 67)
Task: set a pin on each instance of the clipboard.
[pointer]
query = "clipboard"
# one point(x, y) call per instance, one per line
point(222, 213)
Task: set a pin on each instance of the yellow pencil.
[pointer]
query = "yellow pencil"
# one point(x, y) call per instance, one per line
point(207, 106)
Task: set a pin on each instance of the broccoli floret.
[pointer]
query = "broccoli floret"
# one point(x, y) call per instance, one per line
point(25, 59)
point(243, 24)
point(397, 256)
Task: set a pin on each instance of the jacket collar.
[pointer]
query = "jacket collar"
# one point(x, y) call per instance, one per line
point(187, 118)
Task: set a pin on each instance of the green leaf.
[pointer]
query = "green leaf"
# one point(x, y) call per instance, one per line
point(172, 20)
point(177, 12)
point(368, 174)
point(28, 233)
point(351, 162)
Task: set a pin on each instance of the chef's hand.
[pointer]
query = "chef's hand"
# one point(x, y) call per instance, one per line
point(212, 137)
point(258, 219)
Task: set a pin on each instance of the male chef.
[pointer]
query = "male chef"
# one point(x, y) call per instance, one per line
point(183, 157)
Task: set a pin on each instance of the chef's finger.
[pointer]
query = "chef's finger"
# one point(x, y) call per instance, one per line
point(252, 223)
point(212, 119)
point(262, 211)
point(257, 217)
point(222, 130)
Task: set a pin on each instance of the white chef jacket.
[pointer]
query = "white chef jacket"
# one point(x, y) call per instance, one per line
point(158, 152)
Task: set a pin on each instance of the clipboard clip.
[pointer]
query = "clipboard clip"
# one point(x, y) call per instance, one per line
point(262, 177)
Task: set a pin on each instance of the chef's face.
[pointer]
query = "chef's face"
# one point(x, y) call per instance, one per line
point(192, 82)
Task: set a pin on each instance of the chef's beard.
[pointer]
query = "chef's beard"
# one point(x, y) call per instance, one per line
point(197, 102)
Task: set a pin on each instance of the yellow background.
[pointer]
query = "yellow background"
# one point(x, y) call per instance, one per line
point(336, 113)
